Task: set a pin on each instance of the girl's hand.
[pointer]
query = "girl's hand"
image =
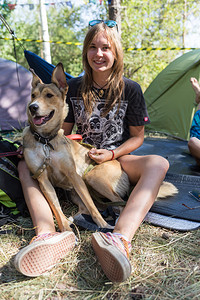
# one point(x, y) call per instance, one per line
point(20, 152)
point(100, 155)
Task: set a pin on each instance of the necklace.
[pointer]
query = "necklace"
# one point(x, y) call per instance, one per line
point(101, 91)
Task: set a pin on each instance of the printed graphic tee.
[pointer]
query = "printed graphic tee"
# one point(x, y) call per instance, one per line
point(110, 131)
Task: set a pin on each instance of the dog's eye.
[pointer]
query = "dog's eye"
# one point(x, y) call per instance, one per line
point(33, 96)
point(49, 95)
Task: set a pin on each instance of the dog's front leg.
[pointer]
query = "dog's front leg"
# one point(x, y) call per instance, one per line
point(81, 189)
point(50, 195)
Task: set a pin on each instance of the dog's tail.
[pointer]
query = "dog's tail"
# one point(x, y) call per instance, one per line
point(167, 189)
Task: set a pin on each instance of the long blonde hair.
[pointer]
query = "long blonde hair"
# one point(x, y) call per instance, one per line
point(115, 80)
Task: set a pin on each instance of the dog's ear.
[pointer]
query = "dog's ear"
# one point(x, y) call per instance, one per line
point(59, 78)
point(35, 79)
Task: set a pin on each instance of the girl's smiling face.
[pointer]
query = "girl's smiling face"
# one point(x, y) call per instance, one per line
point(100, 55)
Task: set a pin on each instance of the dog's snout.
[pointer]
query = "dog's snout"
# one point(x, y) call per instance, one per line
point(33, 108)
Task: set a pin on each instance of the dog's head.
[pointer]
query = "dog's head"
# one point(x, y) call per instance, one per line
point(48, 109)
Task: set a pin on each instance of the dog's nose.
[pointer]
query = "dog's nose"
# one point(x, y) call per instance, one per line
point(33, 108)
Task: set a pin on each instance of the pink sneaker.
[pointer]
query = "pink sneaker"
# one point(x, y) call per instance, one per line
point(44, 252)
point(112, 252)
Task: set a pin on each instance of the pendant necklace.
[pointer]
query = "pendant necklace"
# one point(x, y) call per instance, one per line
point(101, 91)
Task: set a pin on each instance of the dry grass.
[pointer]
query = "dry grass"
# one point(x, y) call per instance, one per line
point(166, 265)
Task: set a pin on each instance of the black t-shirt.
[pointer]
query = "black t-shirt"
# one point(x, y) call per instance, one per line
point(111, 131)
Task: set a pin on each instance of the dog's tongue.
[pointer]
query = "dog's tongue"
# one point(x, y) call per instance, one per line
point(38, 120)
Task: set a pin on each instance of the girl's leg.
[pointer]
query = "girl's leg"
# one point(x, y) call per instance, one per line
point(48, 247)
point(112, 250)
point(194, 143)
point(38, 206)
point(148, 172)
point(194, 147)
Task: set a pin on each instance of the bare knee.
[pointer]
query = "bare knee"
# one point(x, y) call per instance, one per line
point(142, 166)
point(194, 148)
point(159, 163)
point(192, 143)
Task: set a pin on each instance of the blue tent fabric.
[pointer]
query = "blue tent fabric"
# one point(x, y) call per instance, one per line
point(41, 67)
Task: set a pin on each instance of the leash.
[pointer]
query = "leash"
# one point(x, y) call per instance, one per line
point(9, 154)
point(76, 137)
point(46, 148)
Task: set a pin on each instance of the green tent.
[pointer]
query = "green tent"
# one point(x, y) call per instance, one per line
point(170, 97)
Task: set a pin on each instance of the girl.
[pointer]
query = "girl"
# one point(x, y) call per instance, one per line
point(110, 113)
point(194, 141)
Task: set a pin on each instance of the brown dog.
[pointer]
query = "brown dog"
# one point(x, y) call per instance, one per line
point(57, 161)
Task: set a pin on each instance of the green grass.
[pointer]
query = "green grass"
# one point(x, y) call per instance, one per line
point(166, 265)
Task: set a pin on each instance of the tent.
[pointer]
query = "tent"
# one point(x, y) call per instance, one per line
point(41, 67)
point(15, 89)
point(170, 97)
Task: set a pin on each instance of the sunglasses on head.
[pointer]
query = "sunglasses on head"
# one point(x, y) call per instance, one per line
point(109, 23)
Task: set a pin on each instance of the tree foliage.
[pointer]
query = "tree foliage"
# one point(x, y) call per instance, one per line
point(150, 23)
point(144, 23)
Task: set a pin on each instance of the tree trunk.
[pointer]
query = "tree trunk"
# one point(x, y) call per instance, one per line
point(115, 12)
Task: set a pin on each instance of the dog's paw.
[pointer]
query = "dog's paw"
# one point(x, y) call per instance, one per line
point(108, 226)
point(71, 220)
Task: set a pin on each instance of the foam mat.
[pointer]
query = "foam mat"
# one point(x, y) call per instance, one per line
point(175, 151)
point(182, 205)
point(180, 212)
point(171, 223)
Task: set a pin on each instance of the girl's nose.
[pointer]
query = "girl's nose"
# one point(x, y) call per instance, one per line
point(99, 52)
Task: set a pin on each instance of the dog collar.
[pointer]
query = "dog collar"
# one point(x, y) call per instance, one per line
point(43, 140)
